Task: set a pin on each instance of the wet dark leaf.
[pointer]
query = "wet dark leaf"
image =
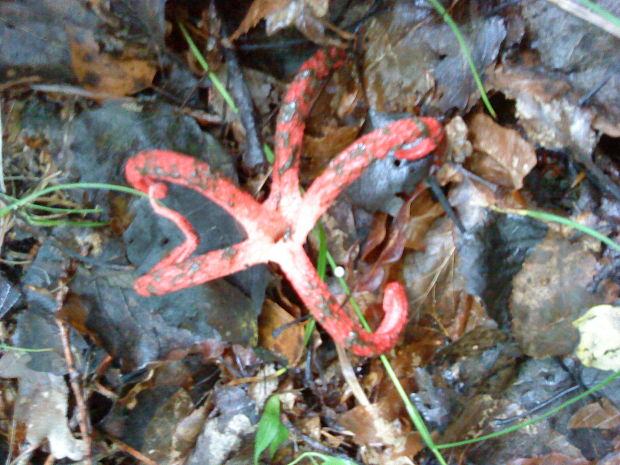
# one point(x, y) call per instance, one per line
point(411, 56)
point(9, 296)
point(492, 253)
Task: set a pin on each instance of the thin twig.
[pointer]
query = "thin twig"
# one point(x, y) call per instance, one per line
point(74, 378)
point(314, 444)
point(2, 186)
point(136, 454)
point(349, 376)
point(74, 375)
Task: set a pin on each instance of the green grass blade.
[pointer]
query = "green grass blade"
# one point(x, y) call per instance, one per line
point(465, 49)
point(543, 216)
point(269, 155)
point(602, 12)
point(53, 223)
point(22, 349)
point(45, 208)
point(518, 426)
point(75, 185)
point(214, 79)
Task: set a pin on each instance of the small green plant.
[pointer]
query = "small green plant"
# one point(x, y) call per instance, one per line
point(271, 433)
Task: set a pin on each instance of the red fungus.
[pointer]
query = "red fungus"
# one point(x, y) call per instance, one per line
point(277, 229)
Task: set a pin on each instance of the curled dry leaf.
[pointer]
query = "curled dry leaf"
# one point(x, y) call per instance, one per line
point(502, 155)
point(550, 117)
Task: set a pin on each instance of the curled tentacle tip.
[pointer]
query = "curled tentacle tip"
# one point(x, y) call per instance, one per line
point(395, 306)
point(158, 190)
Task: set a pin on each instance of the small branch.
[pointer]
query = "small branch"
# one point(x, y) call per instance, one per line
point(74, 375)
point(136, 454)
point(2, 186)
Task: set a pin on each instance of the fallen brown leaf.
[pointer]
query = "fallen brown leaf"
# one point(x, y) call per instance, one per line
point(101, 71)
point(258, 10)
point(289, 343)
point(602, 415)
point(502, 155)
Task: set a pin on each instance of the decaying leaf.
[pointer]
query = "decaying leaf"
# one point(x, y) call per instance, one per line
point(550, 459)
point(258, 10)
point(304, 14)
point(42, 406)
point(437, 282)
point(599, 331)
point(578, 53)
point(278, 14)
point(549, 292)
point(279, 333)
point(411, 57)
point(227, 429)
point(122, 74)
point(601, 414)
point(548, 115)
point(370, 427)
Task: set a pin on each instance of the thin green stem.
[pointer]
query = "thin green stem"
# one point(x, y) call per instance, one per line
point(75, 185)
point(51, 223)
point(601, 12)
point(518, 426)
point(22, 349)
point(45, 208)
point(465, 49)
point(543, 216)
point(413, 413)
point(214, 79)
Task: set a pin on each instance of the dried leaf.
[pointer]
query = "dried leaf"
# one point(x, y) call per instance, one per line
point(42, 406)
point(577, 53)
point(370, 427)
point(602, 415)
point(599, 330)
point(98, 70)
point(549, 116)
point(185, 434)
point(550, 459)
point(305, 15)
point(289, 343)
point(549, 292)
point(324, 148)
point(258, 10)
point(410, 57)
point(504, 157)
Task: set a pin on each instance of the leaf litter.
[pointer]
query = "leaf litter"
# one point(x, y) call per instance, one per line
point(490, 335)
